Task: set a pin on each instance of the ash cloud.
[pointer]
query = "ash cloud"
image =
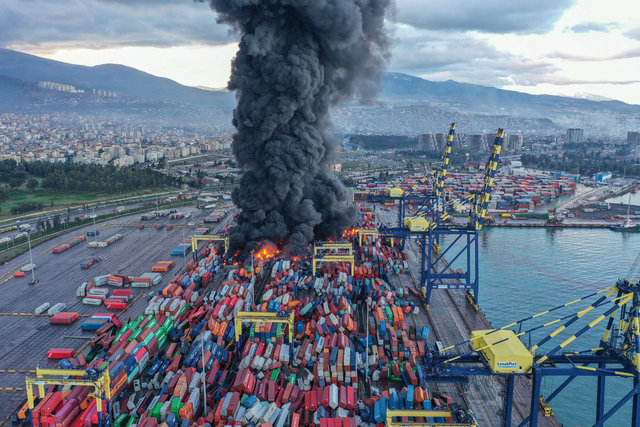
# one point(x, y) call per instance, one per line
point(296, 58)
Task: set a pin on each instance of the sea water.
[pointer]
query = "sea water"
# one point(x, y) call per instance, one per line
point(524, 271)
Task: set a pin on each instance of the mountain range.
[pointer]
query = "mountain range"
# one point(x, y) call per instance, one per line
point(155, 98)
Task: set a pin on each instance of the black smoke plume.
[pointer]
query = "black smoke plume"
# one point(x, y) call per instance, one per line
point(296, 58)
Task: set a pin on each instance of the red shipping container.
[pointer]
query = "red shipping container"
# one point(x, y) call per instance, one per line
point(64, 318)
point(60, 353)
point(50, 406)
point(122, 292)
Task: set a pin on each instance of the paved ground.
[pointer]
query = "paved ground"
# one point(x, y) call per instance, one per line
point(26, 339)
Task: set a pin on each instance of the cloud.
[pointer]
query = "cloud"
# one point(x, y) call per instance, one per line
point(586, 27)
point(625, 54)
point(488, 16)
point(437, 55)
point(429, 52)
point(563, 81)
point(633, 33)
point(101, 24)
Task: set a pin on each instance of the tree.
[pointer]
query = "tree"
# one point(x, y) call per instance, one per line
point(200, 175)
point(4, 194)
point(17, 179)
point(32, 184)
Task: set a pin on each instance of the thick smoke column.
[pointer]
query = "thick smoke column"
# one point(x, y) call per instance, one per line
point(296, 58)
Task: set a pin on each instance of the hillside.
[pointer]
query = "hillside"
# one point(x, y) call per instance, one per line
point(125, 81)
point(144, 96)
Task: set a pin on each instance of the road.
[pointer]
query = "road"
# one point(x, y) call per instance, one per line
point(585, 195)
point(27, 338)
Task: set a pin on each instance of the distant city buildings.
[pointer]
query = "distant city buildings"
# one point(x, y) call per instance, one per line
point(633, 139)
point(56, 138)
point(427, 142)
point(514, 143)
point(60, 87)
point(478, 142)
point(574, 136)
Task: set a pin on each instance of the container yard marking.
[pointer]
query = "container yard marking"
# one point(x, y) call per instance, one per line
point(12, 389)
point(37, 315)
point(17, 371)
point(10, 273)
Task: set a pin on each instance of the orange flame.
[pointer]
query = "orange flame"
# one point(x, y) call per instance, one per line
point(350, 232)
point(267, 251)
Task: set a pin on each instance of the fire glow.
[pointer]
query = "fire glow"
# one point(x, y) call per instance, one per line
point(267, 251)
point(349, 233)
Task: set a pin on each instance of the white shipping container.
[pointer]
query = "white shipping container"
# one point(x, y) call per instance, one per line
point(42, 308)
point(57, 308)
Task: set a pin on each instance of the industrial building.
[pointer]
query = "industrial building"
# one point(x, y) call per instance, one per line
point(574, 136)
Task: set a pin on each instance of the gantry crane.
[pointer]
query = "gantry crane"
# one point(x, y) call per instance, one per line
point(332, 252)
point(502, 352)
point(433, 204)
point(98, 380)
point(437, 272)
point(207, 237)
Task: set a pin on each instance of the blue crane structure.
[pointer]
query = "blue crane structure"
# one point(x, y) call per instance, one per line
point(436, 271)
point(501, 352)
point(429, 204)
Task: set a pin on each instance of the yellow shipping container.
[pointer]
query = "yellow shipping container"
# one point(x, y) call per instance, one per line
point(509, 356)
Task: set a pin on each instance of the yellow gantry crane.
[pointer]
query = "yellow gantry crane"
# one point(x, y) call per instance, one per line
point(100, 381)
point(392, 414)
point(207, 237)
point(501, 351)
point(332, 252)
point(243, 317)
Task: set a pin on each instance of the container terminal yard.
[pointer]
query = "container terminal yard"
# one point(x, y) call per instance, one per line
point(27, 337)
point(355, 332)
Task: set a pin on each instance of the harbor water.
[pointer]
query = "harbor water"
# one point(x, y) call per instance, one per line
point(526, 271)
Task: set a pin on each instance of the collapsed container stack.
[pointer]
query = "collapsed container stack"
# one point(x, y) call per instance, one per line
point(68, 244)
point(184, 343)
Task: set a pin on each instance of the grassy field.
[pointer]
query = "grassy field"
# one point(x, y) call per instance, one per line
point(22, 195)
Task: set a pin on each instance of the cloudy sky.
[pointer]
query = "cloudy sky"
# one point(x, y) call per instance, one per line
point(585, 48)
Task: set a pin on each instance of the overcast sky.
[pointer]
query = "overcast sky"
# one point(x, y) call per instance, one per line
point(586, 48)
